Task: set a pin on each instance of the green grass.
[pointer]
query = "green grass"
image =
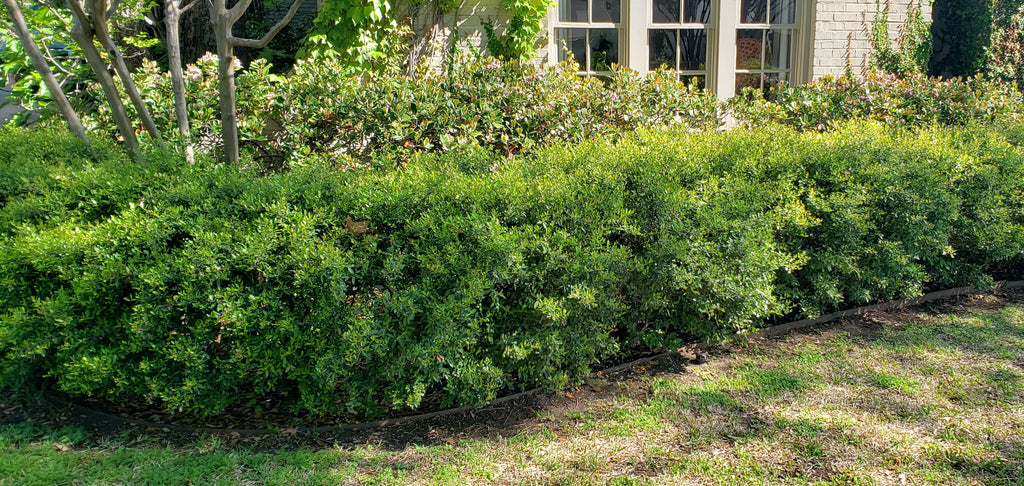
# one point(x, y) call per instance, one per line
point(929, 399)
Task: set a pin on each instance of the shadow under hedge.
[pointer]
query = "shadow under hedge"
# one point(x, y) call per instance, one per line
point(206, 287)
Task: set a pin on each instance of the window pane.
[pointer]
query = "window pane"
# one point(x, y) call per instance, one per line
point(572, 10)
point(779, 47)
point(576, 41)
point(783, 11)
point(604, 49)
point(753, 11)
point(748, 48)
point(693, 48)
point(697, 11)
point(665, 12)
point(748, 80)
point(773, 80)
point(605, 11)
point(699, 81)
point(662, 45)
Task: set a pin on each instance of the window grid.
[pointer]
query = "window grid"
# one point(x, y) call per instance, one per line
point(595, 45)
point(772, 25)
point(687, 23)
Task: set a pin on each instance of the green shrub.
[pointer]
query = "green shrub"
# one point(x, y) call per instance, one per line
point(205, 287)
point(357, 121)
point(909, 100)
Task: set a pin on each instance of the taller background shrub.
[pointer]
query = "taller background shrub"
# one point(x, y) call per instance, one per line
point(961, 31)
point(508, 107)
point(1005, 58)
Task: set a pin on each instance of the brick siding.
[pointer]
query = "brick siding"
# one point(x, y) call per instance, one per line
point(842, 32)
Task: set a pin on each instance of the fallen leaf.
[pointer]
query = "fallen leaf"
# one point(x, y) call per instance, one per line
point(570, 395)
point(62, 447)
point(356, 227)
point(289, 431)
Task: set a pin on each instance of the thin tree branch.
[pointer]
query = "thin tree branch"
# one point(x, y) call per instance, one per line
point(53, 60)
point(78, 11)
point(263, 41)
point(112, 9)
point(236, 12)
point(57, 14)
point(188, 7)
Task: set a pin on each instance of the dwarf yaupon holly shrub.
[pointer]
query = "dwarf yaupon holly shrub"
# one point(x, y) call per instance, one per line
point(205, 287)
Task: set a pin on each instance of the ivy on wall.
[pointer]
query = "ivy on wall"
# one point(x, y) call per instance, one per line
point(354, 31)
point(519, 41)
point(365, 33)
point(1005, 54)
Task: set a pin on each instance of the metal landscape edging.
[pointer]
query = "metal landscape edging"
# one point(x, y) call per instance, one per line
point(893, 304)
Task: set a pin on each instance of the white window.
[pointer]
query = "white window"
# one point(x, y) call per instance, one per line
point(677, 37)
point(724, 45)
point(764, 42)
point(591, 30)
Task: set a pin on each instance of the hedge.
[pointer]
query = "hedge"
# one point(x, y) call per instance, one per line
point(206, 287)
point(380, 120)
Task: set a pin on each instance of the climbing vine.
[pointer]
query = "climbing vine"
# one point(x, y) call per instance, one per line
point(913, 46)
point(355, 31)
point(519, 41)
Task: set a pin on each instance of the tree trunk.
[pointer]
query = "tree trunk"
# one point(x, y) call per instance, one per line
point(226, 80)
point(39, 63)
point(99, 22)
point(172, 9)
point(223, 19)
point(82, 34)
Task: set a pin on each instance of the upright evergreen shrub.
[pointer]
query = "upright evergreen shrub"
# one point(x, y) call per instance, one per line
point(203, 287)
point(961, 32)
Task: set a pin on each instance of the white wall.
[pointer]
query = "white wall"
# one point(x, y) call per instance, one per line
point(466, 23)
point(842, 32)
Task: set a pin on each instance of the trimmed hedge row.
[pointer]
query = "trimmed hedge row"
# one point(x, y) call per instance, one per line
point(206, 287)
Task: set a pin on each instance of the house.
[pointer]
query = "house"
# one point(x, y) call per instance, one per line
point(725, 44)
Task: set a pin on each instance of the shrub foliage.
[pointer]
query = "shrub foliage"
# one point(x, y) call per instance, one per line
point(907, 100)
point(205, 287)
point(321, 110)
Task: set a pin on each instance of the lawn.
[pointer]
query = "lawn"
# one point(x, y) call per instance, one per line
point(930, 395)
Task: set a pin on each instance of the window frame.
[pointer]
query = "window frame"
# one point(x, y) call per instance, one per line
point(636, 21)
point(588, 26)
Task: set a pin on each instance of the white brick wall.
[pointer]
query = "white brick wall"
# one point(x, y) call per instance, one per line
point(467, 24)
point(842, 32)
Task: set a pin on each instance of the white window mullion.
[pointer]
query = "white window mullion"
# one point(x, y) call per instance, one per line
point(586, 38)
point(635, 38)
point(725, 36)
